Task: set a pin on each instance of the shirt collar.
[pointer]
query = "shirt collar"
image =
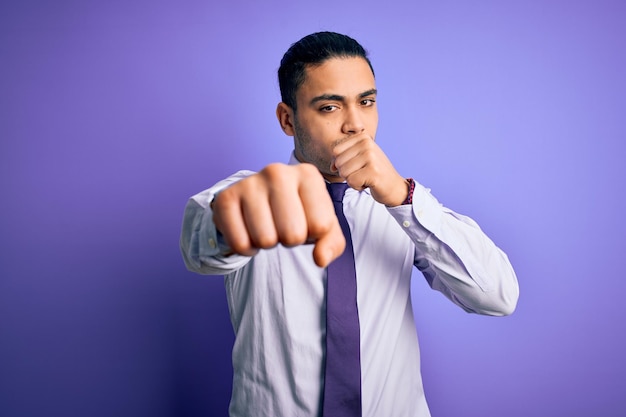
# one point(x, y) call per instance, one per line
point(292, 159)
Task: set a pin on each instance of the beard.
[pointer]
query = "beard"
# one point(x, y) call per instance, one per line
point(312, 152)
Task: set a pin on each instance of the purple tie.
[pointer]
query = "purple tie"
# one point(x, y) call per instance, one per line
point(342, 375)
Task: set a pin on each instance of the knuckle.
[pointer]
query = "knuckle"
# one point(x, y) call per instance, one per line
point(355, 181)
point(238, 245)
point(265, 241)
point(274, 172)
point(320, 227)
point(308, 170)
point(224, 199)
point(293, 237)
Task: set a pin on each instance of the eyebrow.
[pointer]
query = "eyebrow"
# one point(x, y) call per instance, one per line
point(337, 97)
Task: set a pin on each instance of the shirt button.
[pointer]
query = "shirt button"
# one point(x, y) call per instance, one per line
point(212, 243)
point(406, 223)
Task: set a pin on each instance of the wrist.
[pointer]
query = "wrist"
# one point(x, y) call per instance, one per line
point(401, 192)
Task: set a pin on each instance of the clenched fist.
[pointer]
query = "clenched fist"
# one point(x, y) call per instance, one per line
point(363, 164)
point(286, 204)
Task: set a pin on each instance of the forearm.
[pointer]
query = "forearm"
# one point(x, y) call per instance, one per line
point(457, 258)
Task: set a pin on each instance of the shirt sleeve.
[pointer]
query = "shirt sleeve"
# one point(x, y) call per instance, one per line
point(203, 248)
point(456, 257)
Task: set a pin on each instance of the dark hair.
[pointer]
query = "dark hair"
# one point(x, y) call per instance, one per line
point(313, 49)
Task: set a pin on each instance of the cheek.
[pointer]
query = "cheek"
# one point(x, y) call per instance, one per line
point(321, 132)
point(374, 119)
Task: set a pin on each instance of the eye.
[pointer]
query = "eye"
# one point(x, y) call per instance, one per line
point(368, 102)
point(329, 108)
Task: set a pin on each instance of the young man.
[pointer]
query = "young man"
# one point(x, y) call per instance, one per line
point(275, 236)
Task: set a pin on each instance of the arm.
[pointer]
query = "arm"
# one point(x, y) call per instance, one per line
point(454, 255)
point(457, 258)
point(227, 224)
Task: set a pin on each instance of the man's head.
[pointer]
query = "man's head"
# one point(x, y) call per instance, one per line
point(334, 91)
point(313, 50)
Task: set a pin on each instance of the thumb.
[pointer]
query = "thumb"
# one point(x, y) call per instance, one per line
point(329, 246)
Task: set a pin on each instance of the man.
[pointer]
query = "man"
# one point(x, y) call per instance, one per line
point(275, 236)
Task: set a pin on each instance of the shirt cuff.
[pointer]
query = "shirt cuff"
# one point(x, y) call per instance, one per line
point(409, 197)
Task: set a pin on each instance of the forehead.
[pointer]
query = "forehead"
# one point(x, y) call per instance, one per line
point(347, 77)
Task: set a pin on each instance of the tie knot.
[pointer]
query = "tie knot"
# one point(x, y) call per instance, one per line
point(337, 190)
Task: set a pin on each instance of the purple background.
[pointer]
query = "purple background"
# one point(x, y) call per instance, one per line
point(113, 113)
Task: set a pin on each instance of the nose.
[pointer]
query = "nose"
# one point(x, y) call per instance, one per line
point(353, 122)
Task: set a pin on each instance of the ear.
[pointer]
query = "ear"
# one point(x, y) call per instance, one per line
point(285, 116)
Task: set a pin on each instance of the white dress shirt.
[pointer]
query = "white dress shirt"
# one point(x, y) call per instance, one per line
point(277, 306)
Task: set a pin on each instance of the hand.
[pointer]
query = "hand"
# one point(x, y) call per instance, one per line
point(286, 204)
point(361, 162)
